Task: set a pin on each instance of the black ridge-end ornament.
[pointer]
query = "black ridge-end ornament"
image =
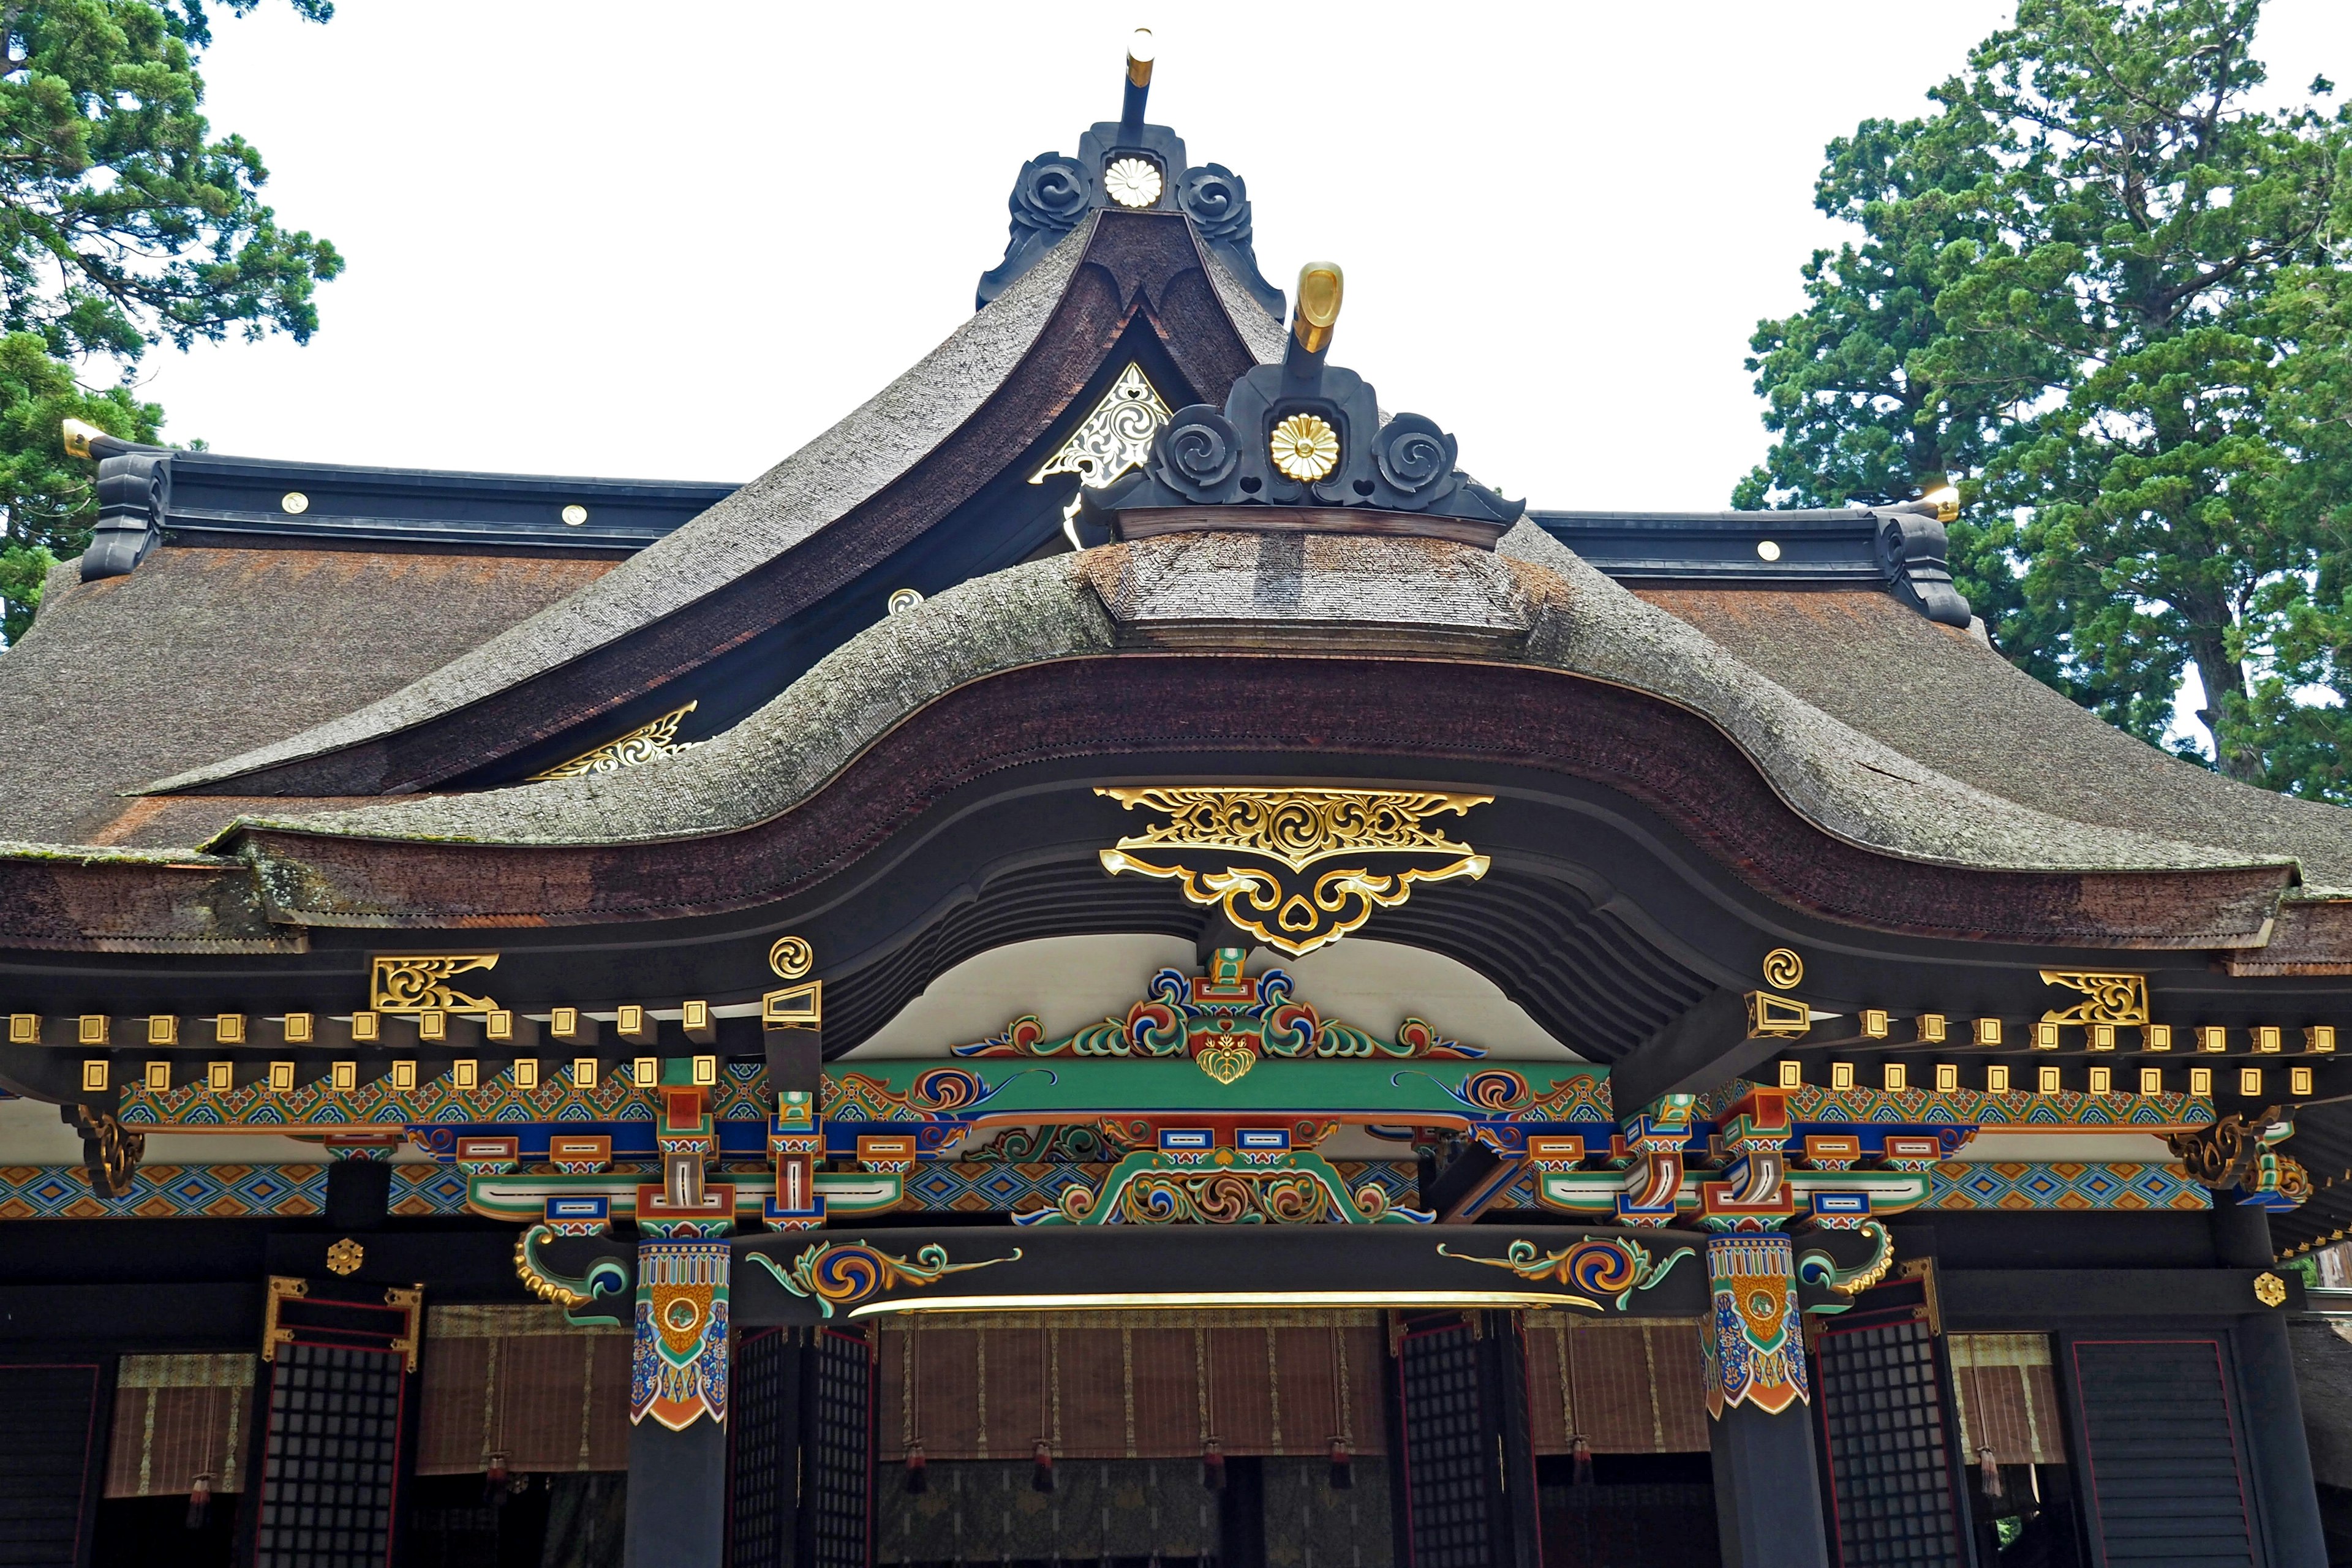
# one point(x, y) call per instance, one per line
point(1300, 448)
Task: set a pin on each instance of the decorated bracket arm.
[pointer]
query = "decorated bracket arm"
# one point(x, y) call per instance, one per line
point(605, 1276)
point(1613, 1269)
point(1817, 1268)
point(2242, 1152)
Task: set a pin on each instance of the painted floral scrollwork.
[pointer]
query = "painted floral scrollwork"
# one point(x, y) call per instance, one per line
point(843, 1274)
point(1613, 1267)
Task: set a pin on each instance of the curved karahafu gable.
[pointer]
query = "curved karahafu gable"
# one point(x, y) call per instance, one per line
point(1459, 660)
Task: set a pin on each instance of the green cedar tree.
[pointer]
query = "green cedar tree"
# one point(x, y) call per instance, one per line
point(123, 223)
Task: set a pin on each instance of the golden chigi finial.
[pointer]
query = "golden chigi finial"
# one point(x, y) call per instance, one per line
point(79, 435)
point(1320, 288)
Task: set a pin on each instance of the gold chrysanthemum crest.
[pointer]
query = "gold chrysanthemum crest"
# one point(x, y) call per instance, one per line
point(1132, 182)
point(1304, 448)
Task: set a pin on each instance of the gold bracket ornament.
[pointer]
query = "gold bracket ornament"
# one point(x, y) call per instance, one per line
point(657, 738)
point(282, 1289)
point(110, 1151)
point(2270, 1289)
point(790, 957)
point(1214, 835)
point(421, 984)
point(798, 1007)
point(1783, 970)
point(1771, 1017)
point(345, 1258)
point(2108, 998)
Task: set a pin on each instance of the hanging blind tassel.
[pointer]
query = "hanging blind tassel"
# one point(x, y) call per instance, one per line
point(1343, 1465)
point(199, 1501)
point(1041, 1476)
point(918, 1481)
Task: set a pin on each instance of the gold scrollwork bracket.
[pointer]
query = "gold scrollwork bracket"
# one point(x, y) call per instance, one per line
point(650, 741)
point(2106, 998)
point(1383, 835)
point(419, 983)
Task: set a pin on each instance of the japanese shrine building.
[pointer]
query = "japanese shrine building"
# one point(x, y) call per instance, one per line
point(1117, 961)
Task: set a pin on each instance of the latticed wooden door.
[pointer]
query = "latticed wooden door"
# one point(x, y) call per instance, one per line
point(839, 1501)
point(1469, 1475)
point(1888, 1428)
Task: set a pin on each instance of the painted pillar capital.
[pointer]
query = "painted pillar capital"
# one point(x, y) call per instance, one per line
point(678, 1368)
point(1754, 1348)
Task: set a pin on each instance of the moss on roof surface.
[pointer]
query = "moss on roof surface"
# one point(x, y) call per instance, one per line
point(813, 486)
point(203, 650)
point(1569, 619)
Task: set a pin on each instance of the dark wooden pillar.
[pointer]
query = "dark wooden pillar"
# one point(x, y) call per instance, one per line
point(1768, 1490)
point(677, 1411)
point(2277, 1451)
point(678, 1496)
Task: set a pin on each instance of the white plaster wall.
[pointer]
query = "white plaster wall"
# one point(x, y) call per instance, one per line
point(1069, 982)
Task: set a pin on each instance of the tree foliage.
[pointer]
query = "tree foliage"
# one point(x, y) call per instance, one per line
point(124, 222)
point(2106, 293)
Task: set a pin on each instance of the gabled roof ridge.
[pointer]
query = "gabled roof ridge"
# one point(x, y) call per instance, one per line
point(872, 445)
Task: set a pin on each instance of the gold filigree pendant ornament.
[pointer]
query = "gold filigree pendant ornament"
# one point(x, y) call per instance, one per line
point(1304, 448)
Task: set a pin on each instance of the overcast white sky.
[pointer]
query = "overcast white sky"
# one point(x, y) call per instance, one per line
point(587, 238)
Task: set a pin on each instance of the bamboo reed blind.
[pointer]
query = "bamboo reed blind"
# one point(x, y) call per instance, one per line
point(1624, 1387)
point(1132, 1385)
point(2008, 1397)
point(177, 1417)
point(522, 1383)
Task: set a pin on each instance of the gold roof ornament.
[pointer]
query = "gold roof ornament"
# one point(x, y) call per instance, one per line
point(77, 435)
point(1321, 286)
point(1254, 852)
point(646, 742)
point(1304, 448)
